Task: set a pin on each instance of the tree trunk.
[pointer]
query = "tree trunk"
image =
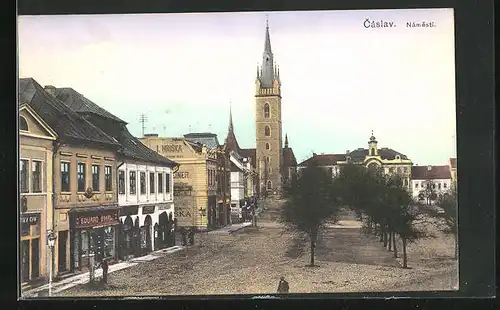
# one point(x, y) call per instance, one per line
point(312, 251)
point(405, 259)
point(381, 233)
point(385, 237)
point(394, 245)
point(390, 240)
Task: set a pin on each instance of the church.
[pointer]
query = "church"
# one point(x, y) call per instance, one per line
point(274, 163)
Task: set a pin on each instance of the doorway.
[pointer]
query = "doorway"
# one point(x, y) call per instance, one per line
point(62, 241)
point(25, 260)
point(35, 258)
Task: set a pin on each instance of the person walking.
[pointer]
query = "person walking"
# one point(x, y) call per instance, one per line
point(104, 271)
point(283, 286)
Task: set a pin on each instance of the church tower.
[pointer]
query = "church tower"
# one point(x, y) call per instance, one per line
point(268, 122)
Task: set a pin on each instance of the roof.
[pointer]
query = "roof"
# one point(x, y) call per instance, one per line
point(134, 148)
point(207, 138)
point(384, 153)
point(289, 158)
point(231, 142)
point(62, 119)
point(436, 172)
point(249, 153)
point(453, 163)
point(79, 103)
point(324, 159)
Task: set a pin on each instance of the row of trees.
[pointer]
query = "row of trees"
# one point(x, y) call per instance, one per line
point(381, 201)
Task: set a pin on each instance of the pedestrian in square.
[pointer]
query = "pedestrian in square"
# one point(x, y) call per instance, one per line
point(104, 271)
point(283, 286)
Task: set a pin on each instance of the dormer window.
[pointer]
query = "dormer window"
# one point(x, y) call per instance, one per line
point(23, 124)
point(398, 157)
point(348, 158)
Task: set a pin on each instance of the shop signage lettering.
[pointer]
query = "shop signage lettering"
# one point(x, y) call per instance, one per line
point(30, 219)
point(148, 209)
point(130, 210)
point(182, 213)
point(163, 207)
point(181, 175)
point(171, 148)
point(108, 218)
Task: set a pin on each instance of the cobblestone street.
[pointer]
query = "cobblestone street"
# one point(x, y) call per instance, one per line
point(252, 260)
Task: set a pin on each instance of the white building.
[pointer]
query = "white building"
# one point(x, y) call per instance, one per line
point(238, 184)
point(428, 182)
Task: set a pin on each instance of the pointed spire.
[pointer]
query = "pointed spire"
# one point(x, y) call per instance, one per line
point(267, 46)
point(230, 117)
point(268, 73)
point(286, 140)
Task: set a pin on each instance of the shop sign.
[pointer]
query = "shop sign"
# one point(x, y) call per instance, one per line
point(129, 210)
point(148, 209)
point(103, 218)
point(171, 148)
point(164, 206)
point(181, 175)
point(30, 219)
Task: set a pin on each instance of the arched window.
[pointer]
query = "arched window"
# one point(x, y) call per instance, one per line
point(267, 131)
point(268, 159)
point(266, 110)
point(269, 185)
point(23, 124)
point(268, 146)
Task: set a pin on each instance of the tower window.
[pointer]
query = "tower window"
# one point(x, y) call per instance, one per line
point(268, 159)
point(267, 131)
point(269, 185)
point(268, 146)
point(266, 110)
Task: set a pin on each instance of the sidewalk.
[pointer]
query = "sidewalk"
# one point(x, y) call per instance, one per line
point(230, 229)
point(84, 277)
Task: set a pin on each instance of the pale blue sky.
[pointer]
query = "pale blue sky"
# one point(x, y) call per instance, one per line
point(340, 79)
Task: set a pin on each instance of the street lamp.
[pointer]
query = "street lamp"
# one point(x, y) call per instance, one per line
point(51, 241)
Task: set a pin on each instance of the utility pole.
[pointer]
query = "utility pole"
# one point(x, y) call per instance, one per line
point(143, 119)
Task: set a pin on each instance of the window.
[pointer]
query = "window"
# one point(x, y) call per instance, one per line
point(65, 177)
point(416, 185)
point(160, 182)
point(405, 169)
point(398, 157)
point(269, 185)
point(433, 185)
point(391, 170)
point(23, 124)
point(108, 178)
point(95, 178)
point(270, 170)
point(439, 185)
point(133, 185)
point(267, 131)
point(445, 185)
point(406, 182)
point(167, 180)
point(399, 169)
point(23, 178)
point(268, 146)
point(151, 183)
point(268, 159)
point(266, 110)
point(121, 182)
point(81, 177)
point(372, 152)
point(143, 183)
point(36, 170)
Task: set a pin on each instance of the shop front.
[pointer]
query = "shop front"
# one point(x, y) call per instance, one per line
point(93, 231)
point(30, 246)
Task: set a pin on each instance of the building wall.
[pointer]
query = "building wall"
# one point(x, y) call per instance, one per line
point(237, 186)
point(64, 201)
point(273, 98)
point(37, 149)
point(441, 186)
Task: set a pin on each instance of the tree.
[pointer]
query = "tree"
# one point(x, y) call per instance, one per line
point(448, 203)
point(310, 202)
point(429, 191)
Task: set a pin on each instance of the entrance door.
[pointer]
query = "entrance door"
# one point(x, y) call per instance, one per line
point(35, 258)
point(25, 260)
point(147, 227)
point(62, 240)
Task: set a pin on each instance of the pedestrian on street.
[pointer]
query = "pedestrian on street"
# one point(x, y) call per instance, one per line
point(283, 286)
point(104, 271)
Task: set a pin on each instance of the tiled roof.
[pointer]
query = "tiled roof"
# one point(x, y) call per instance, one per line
point(436, 172)
point(453, 163)
point(65, 122)
point(324, 159)
point(134, 148)
point(79, 103)
point(384, 153)
point(289, 158)
point(249, 153)
point(207, 138)
point(231, 142)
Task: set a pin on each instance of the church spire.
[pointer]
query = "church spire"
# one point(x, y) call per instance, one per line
point(268, 73)
point(230, 118)
point(286, 140)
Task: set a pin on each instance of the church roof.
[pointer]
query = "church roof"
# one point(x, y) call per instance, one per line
point(289, 159)
point(430, 172)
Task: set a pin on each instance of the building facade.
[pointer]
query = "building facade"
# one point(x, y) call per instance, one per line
point(453, 169)
point(429, 182)
point(327, 161)
point(84, 182)
point(144, 178)
point(36, 140)
point(238, 185)
point(195, 181)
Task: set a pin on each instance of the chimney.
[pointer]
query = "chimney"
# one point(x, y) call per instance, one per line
point(50, 89)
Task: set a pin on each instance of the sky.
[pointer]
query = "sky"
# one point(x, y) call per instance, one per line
point(340, 79)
